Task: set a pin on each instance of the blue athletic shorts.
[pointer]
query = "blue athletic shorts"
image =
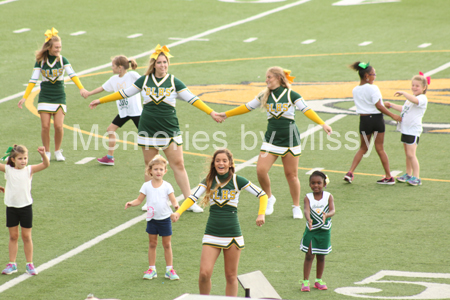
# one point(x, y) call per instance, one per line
point(161, 227)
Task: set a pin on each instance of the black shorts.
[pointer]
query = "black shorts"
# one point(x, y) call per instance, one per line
point(161, 227)
point(118, 121)
point(371, 123)
point(22, 216)
point(410, 139)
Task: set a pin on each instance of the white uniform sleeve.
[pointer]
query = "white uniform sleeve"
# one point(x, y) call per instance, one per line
point(201, 188)
point(35, 75)
point(255, 103)
point(253, 189)
point(301, 105)
point(130, 91)
point(187, 96)
point(69, 70)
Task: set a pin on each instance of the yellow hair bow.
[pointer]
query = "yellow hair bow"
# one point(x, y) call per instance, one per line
point(289, 78)
point(158, 51)
point(50, 33)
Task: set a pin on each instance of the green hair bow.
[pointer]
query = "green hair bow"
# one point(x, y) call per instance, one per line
point(8, 152)
point(363, 65)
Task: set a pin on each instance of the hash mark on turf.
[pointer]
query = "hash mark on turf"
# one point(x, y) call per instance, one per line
point(84, 160)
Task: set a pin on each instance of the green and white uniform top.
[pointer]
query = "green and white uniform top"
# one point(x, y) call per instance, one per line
point(281, 104)
point(223, 229)
point(160, 91)
point(159, 126)
point(52, 86)
point(282, 135)
point(317, 209)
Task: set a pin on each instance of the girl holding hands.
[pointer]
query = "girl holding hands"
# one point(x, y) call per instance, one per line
point(370, 107)
point(52, 97)
point(19, 202)
point(412, 113)
point(158, 192)
point(158, 127)
point(282, 138)
point(222, 187)
point(129, 108)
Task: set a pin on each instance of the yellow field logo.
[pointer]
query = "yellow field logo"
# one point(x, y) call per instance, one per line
point(327, 97)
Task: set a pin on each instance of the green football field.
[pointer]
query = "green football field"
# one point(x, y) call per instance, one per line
point(389, 242)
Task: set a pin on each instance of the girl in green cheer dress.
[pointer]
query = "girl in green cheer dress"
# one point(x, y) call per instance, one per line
point(222, 187)
point(52, 97)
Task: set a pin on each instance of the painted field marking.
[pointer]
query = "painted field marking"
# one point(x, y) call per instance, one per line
point(424, 45)
point(86, 73)
point(313, 170)
point(308, 42)
point(395, 173)
point(365, 43)
point(180, 39)
point(84, 160)
point(134, 35)
point(360, 2)
point(192, 38)
point(6, 1)
point(21, 30)
point(438, 69)
point(249, 40)
point(78, 33)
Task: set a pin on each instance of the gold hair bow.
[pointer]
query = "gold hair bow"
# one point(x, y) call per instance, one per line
point(289, 78)
point(50, 33)
point(158, 51)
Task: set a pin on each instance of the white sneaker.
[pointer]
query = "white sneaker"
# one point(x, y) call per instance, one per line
point(297, 212)
point(59, 156)
point(48, 154)
point(144, 207)
point(195, 208)
point(270, 202)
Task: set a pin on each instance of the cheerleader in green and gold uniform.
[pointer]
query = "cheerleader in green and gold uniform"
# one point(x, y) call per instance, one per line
point(158, 125)
point(222, 187)
point(52, 97)
point(282, 137)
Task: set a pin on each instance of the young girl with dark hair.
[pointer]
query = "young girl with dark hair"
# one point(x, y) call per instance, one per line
point(370, 107)
point(19, 202)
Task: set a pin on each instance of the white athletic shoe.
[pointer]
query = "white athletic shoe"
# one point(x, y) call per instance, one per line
point(270, 202)
point(297, 212)
point(144, 207)
point(195, 208)
point(59, 156)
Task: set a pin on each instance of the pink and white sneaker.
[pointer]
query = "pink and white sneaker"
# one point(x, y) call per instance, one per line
point(106, 161)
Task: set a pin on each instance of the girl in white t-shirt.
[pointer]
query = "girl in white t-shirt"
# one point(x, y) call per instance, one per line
point(129, 108)
point(411, 126)
point(370, 107)
point(19, 202)
point(158, 193)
